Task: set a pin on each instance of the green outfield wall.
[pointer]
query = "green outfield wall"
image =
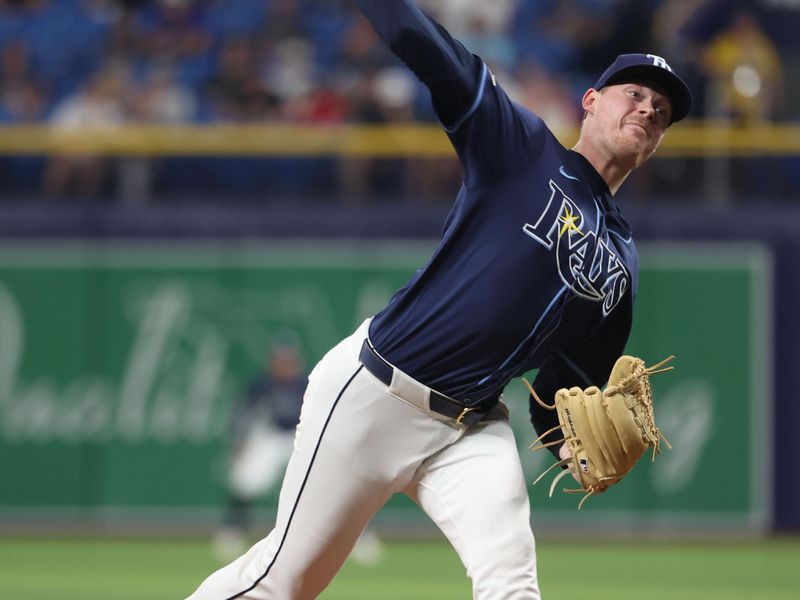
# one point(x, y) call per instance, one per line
point(119, 363)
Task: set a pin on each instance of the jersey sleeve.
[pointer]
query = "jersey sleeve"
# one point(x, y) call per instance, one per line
point(451, 73)
point(582, 364)
point(494, 139)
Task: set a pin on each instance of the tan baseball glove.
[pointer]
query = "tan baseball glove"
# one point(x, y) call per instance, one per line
point(606, 432)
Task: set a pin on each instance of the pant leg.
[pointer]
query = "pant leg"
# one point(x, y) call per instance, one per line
point(355, 446)
point(475, 491)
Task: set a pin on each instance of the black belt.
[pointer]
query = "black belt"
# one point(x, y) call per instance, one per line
point(439, 403)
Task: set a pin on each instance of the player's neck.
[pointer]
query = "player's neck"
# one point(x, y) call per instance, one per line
point(611, 168)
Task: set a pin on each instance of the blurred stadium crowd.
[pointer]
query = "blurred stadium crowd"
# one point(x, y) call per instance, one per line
point(89, 63)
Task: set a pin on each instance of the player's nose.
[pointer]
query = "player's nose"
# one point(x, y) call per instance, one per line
point(647, 109)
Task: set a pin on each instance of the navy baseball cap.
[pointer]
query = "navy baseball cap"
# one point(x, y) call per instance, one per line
point(644, 68)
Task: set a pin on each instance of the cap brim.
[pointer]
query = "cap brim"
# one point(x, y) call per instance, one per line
point(673, 86)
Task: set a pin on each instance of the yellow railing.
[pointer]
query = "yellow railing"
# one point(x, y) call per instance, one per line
point(697, 139)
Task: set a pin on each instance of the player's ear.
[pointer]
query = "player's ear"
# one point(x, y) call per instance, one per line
point(589, 100)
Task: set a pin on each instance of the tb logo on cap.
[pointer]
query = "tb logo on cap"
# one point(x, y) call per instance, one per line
point(659, 62)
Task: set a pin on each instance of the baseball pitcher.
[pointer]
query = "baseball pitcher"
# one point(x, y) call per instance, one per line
point(536, 268)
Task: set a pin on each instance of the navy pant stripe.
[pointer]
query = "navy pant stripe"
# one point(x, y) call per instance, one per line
point(302, 487)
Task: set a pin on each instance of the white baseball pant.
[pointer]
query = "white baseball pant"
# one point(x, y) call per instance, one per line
point(359, 442)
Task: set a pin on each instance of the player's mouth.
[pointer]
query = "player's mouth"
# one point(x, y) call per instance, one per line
point(639, 127)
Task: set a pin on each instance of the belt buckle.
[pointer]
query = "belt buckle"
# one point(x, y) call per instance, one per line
point(463, 413)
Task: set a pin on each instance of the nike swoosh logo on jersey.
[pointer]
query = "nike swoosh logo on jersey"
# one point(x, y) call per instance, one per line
point(563, 171)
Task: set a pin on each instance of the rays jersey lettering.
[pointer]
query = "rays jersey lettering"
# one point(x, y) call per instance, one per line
point(588, 265)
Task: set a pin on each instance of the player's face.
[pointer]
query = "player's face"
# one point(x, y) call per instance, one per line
point(630, 119)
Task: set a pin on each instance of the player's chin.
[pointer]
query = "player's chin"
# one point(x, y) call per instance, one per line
point(640, 150)
point(635, 154)
point(647, 147)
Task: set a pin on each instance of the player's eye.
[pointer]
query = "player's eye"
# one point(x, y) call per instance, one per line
point(662, 113)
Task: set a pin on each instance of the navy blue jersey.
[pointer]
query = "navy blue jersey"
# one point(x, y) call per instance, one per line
point(536, 267)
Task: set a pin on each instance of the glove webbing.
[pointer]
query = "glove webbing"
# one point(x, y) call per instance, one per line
point(635, 379)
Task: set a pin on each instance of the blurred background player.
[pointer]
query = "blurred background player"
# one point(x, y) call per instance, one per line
point(263, 424)
point(261, 436)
